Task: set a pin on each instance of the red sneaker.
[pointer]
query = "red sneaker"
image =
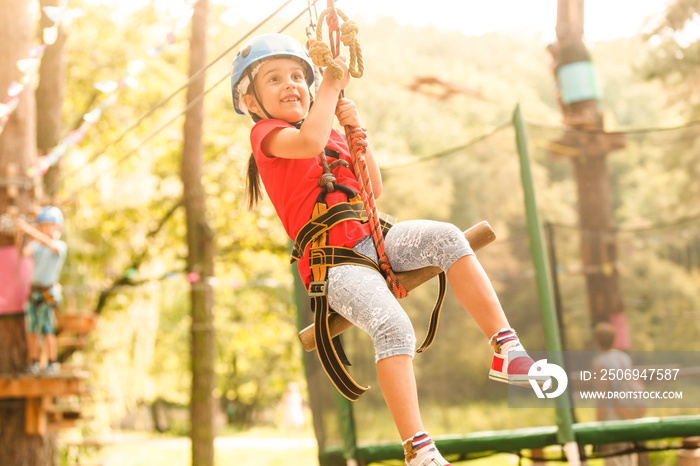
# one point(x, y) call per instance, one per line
point(510, 368)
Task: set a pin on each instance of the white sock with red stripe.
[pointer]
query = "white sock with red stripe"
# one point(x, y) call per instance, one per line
point(420, 450)
point(506, 340)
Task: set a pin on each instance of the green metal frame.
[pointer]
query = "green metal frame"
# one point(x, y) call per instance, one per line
point(543, 276)
point(512, 441)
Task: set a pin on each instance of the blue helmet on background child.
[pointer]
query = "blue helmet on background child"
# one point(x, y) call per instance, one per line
point(50, 214)
point(254, 52)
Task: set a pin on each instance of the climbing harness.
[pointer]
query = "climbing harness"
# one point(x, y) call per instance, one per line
point(322, 256)
point(43, 293)
point(359, 206)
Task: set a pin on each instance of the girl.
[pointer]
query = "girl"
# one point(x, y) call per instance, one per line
point(271, 77)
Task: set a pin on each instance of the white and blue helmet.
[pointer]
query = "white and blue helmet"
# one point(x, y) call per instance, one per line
point(50, 214)
point(258, 49)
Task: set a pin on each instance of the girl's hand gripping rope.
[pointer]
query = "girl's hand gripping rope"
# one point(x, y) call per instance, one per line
point(347, 113)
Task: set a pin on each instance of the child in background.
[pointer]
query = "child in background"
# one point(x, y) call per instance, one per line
point(271, 77)
point(606, 410)
point(49, 254)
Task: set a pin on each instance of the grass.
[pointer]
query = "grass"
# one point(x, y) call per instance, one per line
point(253, 448)
point(269, 451)
point(270, 446)
point(263, 447)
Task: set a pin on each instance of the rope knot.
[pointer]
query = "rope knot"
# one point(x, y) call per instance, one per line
point(321, 55)
point(348, 32)
point(327, 180)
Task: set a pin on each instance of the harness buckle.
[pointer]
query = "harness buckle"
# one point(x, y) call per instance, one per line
point(318, 288)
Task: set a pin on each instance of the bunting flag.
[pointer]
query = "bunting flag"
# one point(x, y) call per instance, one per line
point(181, 15)
point(29, 67)
point(90, 119)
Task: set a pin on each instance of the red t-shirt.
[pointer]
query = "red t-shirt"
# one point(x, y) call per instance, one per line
point(292, 186)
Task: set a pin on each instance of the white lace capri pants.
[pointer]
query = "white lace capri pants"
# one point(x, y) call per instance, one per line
point(362, 296)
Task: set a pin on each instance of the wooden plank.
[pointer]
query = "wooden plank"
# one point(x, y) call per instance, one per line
point(479, 235)
point(75, 323)
point(26, 386)
point(78, 342)
point(35, 415)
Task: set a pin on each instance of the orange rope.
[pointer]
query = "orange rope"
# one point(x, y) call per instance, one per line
point(357, 142)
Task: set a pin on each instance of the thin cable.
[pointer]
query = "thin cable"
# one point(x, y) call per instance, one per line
point(172, 120)
point(657, 226)
point(688, 124)
point(167, 99)
point(443, 153)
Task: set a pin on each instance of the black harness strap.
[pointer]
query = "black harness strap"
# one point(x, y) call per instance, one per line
point(321, 224)
point(327, 353)
point(435, 315)
point(330, 353)
point(321, 256)
point(332, 255)
point(314, 234)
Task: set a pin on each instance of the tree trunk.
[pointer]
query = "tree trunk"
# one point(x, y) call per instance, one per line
point(17, 149)
point(49, 99)
point(200, 259)
point(17, 141)
point(598, 245)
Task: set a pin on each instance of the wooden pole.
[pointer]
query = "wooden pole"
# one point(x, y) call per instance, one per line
point(590, 145)
point(21, 415)
point(200, 253)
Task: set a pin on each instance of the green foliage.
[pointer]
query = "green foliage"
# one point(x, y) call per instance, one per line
point(673, 53)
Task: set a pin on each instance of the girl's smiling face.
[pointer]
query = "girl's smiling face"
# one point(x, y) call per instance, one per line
point(280, 84)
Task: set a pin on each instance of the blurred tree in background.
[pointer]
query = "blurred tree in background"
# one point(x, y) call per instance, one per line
point(674, 53)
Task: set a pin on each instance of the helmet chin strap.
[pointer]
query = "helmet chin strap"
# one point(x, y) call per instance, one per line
point(255, 94)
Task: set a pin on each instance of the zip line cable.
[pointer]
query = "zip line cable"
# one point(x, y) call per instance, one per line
point(505, 124)
point(685, 125)
point(167, 99)
point(656, 227)
point(178, 115)
point(508, 123)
